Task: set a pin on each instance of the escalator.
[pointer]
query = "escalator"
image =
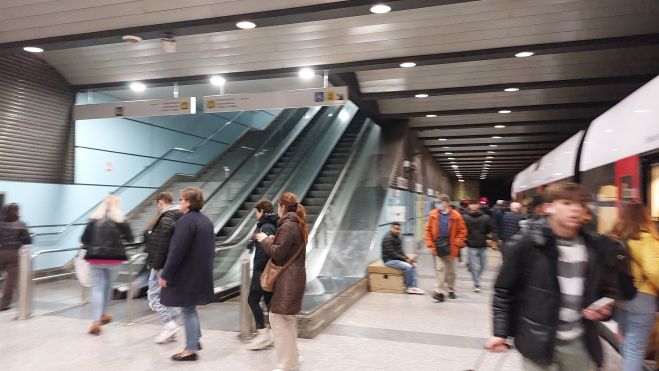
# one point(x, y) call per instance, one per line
point(282, 168)
point(316, 197)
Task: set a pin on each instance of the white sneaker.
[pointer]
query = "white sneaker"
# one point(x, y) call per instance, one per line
point(262, 340)
point(415, 290)
point(168, 334)
point(477, 289)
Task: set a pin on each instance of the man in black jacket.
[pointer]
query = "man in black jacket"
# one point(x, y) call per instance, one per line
point(552, 273)
point(510, 223)
point(479, 226)
point(157, 247)
point(393, 256)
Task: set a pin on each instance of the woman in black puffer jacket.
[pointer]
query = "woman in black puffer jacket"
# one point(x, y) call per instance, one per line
point(267, 223)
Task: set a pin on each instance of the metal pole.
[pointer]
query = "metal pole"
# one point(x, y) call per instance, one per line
point(24, 283)
point(247, 326)
point(129, 294)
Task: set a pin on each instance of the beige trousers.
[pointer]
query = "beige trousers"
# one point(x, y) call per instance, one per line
point(445, 273)
point(284, 330)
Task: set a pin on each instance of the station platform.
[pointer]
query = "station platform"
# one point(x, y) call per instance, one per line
point(380, 332)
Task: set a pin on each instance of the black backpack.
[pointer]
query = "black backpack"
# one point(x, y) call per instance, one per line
point(625, 278)
point(106, 241)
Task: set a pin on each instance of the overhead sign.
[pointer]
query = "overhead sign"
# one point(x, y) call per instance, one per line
point(139, 108)
point(276, 99)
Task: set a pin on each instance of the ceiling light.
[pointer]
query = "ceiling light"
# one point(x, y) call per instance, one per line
point(451, 158)
point(499, 126)
point(246, 25)
point(448, 153)
point(490, 152)
point(218, 80)
point(641, 111)
point(442, 139)
point(137, 87)
point(493, 145)
point(511, 89)
point(33, 49)
point(488, 161)
point(306, 73)
point(452, 162)
point(446, 147)
point(523, 54)
point(408, 64)
point(496, 137)
point(505, 111)
point(489, 157)
point(460, 180)
point(422, 95)
point(380, 9)
point(431, 116)
point(455, 166)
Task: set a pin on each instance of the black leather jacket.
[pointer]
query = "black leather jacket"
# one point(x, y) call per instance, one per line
point(527, 295)
point(392, 248)
point(157, 245)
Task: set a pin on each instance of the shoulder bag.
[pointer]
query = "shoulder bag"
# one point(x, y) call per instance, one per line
point(443, 246)
point(272, 271)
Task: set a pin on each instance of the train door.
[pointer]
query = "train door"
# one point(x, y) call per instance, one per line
point(651, 191)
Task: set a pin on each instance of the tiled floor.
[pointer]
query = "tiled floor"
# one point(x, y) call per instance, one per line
point(380, 332)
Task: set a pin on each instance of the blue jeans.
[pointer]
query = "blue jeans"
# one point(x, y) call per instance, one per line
point(166, 314)
point(192, 328)
point(102, 277)
point(477, 260)
point(409, 271)
point(636, 320)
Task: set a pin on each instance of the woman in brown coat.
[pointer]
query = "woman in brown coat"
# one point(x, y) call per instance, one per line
point(286, 299)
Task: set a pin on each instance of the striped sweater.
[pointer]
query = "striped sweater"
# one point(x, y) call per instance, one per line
point(572, 263)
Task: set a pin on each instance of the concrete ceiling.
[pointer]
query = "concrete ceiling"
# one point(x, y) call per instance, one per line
point(588, 56)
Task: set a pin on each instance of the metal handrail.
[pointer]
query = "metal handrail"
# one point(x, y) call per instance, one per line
point(339, 181)
point(148, 167)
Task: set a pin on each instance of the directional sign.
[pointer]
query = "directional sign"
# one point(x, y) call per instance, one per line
point(276, 99)
point(139, 108)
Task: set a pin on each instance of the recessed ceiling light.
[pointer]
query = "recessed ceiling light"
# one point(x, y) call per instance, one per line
point(460, 180)
point(499, 126)
point(524, 54)
point(431, 116)
point(246, 25)
point(218, 80)
point(380, 9)
point(455, 166)
point(505, 111)
point(446, 147)
point(452, 162)
point(448, 153)
point(641, 111)
point(489, 157)
point(493, 145)
point(422, 95)
point(306, 73)
point(511, 89)
point(442, 139)
point(408, 64)
point(496, 137)
point(488, 161)
point(490, 152)
point(137, 86)
point(451, 158)
point(33, 49)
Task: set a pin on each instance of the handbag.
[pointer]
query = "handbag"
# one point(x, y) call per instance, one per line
point(82, 269)
point(443, 246)
point(272, 271)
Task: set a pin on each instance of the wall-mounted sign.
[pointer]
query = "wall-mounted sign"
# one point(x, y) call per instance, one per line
point(430, 192)
point(139, 108)
point(396, 214)
point(419, 188)
point(276, 99)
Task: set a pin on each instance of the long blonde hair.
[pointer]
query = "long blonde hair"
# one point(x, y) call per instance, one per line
point(110, 208)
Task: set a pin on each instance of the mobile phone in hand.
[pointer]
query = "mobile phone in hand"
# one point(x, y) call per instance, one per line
point(600, 303)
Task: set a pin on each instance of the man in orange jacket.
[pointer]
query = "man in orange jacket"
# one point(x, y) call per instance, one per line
point(445, 223)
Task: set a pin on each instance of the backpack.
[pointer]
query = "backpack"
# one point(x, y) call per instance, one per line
point(106, 241)
point(623, 262)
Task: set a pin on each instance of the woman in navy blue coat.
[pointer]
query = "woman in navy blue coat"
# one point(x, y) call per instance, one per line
point(187, 278)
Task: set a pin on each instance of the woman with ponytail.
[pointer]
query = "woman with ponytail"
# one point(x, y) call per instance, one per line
point(288, 244)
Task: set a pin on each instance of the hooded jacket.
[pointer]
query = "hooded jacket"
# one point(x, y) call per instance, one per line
point(479, 225)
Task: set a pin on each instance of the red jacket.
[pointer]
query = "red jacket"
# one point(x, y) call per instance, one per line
point(457, 231)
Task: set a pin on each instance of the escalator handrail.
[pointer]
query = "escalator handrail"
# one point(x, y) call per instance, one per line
point(281, 190)
point(365, 126)
point(146, 168)
point(241, 198)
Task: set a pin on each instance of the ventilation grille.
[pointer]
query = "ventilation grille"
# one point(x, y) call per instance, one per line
point(36, 135)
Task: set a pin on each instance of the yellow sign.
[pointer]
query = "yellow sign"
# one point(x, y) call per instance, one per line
point(210, 103)
point(185, 105)
point(331, 95)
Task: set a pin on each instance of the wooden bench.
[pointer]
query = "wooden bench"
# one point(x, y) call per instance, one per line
point(386, 279)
